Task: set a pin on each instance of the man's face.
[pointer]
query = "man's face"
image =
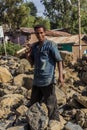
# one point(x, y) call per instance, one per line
point(40, 34)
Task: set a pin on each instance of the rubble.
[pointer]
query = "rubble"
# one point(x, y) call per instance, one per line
point(16, 77)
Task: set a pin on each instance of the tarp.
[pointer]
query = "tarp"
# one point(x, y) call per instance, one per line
point(1, 32)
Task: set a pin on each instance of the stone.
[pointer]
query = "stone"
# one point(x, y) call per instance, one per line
point(4, 112)
point(21, 127)
point(37, 117)
point(22, 110)
point(24, 67)
point(11, 100)
point(6, 124)
point(24, 80)
point(84, 77)
point(81, 99)
point(54, 125)
point(67, 57)
point(61, 97)
point(81, 117)
point(62, 122)
point(71, 126)
point(5, 75)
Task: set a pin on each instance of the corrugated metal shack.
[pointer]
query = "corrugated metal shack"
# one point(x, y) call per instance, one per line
point(71, 44)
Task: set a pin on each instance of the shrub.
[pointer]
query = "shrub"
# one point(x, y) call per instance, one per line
point(11, 48)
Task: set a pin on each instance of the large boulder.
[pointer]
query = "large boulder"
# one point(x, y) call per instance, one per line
point(24, 80)
point(11, 100)
point(37, 116)
point(24, 67)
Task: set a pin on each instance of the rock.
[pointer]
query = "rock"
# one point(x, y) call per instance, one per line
point(81, 67)
point(24, 80)
point(84, 77)
point(68, 58)
point(7, 88)
point(22, 110)
point(5, 75)
point(6, 124)
point(54, 125)
point(24, 67)
point(81, 117)
point(71, 126)
point(61, 97)
point(4, 112)
point(21, 127)
point(62, 122)
point(37, 117)
point(11, 100)
point(81, 99)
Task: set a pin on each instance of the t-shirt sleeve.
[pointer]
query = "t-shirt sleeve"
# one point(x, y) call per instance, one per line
point(55, 52)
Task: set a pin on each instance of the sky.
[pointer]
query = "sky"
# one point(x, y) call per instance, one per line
point(39, 6)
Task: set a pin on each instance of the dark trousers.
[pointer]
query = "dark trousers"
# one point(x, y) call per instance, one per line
point(47, 93)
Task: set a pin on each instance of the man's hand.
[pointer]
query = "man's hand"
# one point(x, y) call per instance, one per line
point(62, 86)
point(61, 82)
point(28, 50)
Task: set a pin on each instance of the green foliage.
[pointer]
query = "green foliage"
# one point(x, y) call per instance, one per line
point(13, 12)
point(32, 7)
point(58, 12)
point(45, 22)
point(84, 21)
point(11, 48)
point(19, 13)
point(62, 14)
point(30, 22)
point(1, 49)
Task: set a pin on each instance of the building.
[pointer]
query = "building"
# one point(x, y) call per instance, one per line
point(71, 44)
point(23, 34)
point(64, 40)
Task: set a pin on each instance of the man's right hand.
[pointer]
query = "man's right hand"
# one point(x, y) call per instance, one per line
point(28, 50)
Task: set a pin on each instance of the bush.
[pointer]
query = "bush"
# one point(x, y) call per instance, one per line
point(11, 48)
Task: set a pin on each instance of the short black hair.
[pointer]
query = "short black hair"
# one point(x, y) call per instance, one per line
point(39, 26)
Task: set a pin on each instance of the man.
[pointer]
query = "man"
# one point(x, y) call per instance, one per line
point(44, 55)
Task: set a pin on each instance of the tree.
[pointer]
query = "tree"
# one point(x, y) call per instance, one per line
point(32, 7)
point(45, 22)
point(13, 12)
point(17, 13)
point(34, 19)
point(57, 12)
point(62, 14)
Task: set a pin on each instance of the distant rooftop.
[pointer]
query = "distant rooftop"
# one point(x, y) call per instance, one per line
point(66, 39)
point(53, 33)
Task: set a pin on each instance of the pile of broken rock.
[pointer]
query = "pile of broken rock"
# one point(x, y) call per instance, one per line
point(16, 77)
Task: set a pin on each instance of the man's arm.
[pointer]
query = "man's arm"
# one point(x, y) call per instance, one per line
point(60, 69)
point(29, 55)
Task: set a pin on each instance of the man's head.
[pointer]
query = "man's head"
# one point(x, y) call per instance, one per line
point(40, 32)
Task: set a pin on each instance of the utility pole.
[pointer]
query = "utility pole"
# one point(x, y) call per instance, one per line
point(79, 15)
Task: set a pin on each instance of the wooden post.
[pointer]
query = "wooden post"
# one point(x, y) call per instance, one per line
point(79, 17)
point(5, 48)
